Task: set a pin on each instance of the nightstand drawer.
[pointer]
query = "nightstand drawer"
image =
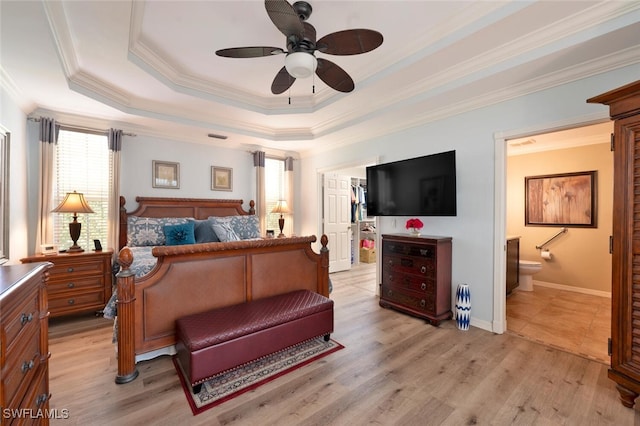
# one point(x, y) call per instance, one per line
point(73, 266)
point(76, 302)
point(71, 284)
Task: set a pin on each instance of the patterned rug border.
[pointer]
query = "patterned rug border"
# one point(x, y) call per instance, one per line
point(186, 387)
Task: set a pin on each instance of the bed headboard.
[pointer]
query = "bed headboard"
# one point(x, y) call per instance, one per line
point(197, 208)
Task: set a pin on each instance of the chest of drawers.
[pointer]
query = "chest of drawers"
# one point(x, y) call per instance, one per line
point(416, 276)
point(78, 282)
point(24, 344)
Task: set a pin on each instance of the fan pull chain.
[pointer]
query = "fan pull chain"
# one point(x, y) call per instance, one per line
point(313, 85)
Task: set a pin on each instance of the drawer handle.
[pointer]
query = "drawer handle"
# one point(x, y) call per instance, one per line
point(41, 399)
point(423, 303)
point(71, 301)
point(423, 269)
point(25, 318)
point(71, 285)
point(26, 366)
point(423, 286)
point(390, 292)
point(70, 269)
point(390, 262)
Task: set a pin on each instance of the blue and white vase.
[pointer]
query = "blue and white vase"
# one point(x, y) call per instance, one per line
point(463, 306)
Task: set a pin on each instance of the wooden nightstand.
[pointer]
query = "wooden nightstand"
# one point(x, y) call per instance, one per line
point(78, 282)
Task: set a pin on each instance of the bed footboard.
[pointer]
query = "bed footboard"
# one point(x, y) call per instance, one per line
point(194, 278)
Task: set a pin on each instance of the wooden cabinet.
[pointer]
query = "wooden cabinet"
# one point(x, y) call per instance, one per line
point(78, 282)
point(416, 276)
point(24, 344)
point(513, 264)
point(624, 108)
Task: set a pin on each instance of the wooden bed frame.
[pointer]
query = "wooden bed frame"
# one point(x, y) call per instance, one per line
point(197, 277)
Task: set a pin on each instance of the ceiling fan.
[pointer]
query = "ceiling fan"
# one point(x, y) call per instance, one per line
point(300, 61)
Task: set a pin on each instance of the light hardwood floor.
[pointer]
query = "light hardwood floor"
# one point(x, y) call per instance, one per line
point(395, 369)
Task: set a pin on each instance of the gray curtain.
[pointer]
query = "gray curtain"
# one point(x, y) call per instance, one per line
point(288, 194)
point(261, 198)
point(115, 146)
point(49, 131)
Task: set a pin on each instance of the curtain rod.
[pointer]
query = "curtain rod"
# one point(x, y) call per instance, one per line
point(73, 127)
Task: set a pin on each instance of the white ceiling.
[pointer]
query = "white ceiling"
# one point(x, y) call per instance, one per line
point(148, 67)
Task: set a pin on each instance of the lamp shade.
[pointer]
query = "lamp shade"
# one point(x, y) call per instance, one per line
point(73, 202)
point(300, 64)
point(281, 207)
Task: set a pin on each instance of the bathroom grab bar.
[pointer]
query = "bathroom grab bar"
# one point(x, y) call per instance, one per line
point(562, 231)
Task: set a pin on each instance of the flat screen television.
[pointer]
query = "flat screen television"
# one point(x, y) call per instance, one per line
point(423, 186)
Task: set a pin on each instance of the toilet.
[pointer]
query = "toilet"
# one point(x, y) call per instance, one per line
point(527, 269)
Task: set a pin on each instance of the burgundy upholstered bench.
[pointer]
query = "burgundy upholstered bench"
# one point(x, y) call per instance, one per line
point(211, 342)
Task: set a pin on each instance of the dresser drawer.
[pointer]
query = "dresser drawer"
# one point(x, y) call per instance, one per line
point(420, 302)
point(65, 268)
point(408, 249)
point(410, 265)
point(74, 284)
point(37, 398)
point(416, 283)
point(21, 321)
point(21, 364)
point(76, 302)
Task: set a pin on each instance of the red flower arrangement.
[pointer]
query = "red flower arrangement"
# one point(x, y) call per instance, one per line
point(414, 224)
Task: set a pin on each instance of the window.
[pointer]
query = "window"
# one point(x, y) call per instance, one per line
point(4, 195)
point(274, 189)
point(83, 165)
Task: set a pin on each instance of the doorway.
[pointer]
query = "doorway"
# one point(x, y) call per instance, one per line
point(570, 306)
point(356, 169)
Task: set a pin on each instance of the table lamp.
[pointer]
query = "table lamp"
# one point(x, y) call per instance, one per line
point(75, 203)
point(281, 207)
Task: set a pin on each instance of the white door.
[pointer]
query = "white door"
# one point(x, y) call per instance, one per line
point(337, 220)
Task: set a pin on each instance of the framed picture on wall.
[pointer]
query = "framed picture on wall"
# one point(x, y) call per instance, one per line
point(166, 174)
point(565, 199)
point(221, 178)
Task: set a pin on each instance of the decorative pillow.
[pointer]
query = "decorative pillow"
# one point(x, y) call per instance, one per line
point(180, 234)
point(245, 226)
point(149, 231)
point(203, 230)
point(225, 232)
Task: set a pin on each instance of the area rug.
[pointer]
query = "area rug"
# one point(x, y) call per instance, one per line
point(234, 382)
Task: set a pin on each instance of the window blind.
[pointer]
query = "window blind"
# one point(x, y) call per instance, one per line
point(82, 165)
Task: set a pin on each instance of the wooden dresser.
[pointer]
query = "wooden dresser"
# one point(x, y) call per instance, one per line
point(24, 344)
point(78, 282)
point(624, 108)
point(416, 276)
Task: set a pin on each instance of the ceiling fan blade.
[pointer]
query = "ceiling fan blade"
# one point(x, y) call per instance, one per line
point(334, 76)
point(349, 42)
point(282, 81)
point(284, 17)
point(249, 52)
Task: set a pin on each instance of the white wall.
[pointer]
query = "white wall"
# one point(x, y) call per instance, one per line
point(195, 169)
point(14, 120)
point(472, 135)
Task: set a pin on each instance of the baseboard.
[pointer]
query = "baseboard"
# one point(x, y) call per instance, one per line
point(573, 289)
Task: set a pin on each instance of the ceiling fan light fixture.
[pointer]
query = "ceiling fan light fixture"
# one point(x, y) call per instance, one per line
point(301, 64)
